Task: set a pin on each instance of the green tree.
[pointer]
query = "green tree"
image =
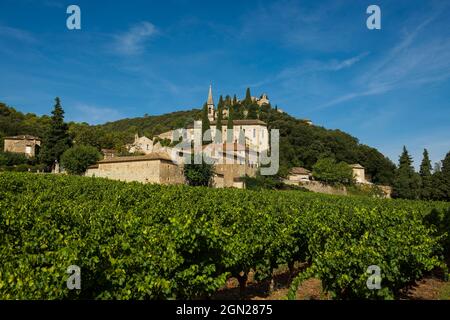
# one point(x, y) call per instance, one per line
point(248, 97)
point(227, 101)
point(252, 111)
point(220, 107)
point(57, 139)
point(426, 180)
point(77, 159)
point(406, 181)
point(329, 171)
point(10, 159)
point(443, 181)
point(198, 174)
point(230, 127)
point(206, 126)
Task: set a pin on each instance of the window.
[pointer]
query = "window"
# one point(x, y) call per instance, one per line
point(28, 150)
point(147, 147)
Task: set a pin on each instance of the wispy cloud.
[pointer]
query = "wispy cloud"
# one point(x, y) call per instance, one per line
point(17, 34)
point(419, 58)
point(336, 66)
point(311, 67)
point(133, 41)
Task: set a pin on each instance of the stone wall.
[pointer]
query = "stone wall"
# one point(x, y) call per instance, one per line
point(231, 172)
point(166, 172)
point(148, 171)
point(317, 186)
point(387, 191)
point(20, 146)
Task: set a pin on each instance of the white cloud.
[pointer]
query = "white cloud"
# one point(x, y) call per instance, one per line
point(133, 41)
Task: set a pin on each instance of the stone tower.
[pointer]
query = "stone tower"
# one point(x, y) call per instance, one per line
point(210, 104)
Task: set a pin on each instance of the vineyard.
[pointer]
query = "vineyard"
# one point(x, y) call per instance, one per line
point(135, 241)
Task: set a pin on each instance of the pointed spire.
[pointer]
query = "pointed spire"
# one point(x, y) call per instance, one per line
point(210, 98)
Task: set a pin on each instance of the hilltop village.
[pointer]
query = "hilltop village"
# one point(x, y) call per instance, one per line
point(236, 148)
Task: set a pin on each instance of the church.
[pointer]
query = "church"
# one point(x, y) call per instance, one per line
point(254, 130)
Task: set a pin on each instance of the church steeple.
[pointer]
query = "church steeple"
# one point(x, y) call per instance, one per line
point(210, 103)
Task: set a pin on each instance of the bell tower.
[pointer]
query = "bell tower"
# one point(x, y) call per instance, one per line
point(210, 104)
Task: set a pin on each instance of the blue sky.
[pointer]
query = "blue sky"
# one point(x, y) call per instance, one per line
point(314, 59)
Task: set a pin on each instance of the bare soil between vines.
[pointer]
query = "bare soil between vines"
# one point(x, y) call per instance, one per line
point(431, 287)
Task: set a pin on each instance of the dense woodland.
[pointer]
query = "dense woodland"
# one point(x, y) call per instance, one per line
point(301, 144)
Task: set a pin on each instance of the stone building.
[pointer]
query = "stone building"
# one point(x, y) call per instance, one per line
point(359, 173)
point(25, 144)
point(150, 168)
point(263, 100)
point(109, 153)
point(140, 145)
point(255, 132)
point(159, 168)
point(299, 174)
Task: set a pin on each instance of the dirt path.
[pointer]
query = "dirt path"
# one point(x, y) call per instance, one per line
point(429, 288)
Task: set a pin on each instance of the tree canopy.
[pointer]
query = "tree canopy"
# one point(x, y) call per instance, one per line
point(78, 158)
point(406, 182)
point(56, 140)
point(332, 172)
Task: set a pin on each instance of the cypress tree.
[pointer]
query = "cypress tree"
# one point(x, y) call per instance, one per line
point(234, 100)
point(445, 178)
point(426, 183)
point(205, 125)
point(252, 111)
point(230, 126)
point(406, 182)
point(57, 139)
point(248, 97)
point(228, 101)
point(220, 107)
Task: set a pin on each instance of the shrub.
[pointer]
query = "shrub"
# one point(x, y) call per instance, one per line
point(12, 159)
point(328, 171)
point(77, 159)
point(198, 174)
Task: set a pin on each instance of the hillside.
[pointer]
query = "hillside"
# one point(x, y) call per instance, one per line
point(300, 144)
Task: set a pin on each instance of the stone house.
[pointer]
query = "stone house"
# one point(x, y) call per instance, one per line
point(141, 144)
point(359, 173)
point(150, 168)
point(299, 174)
point(25, 144)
